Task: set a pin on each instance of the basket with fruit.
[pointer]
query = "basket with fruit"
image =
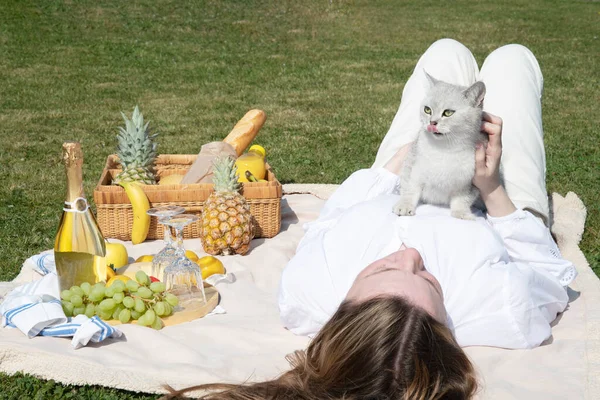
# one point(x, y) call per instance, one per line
point(136, 168)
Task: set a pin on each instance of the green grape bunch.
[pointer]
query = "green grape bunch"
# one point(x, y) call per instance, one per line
point(137, 300)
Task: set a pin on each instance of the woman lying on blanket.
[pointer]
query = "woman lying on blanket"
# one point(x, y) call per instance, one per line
point(391, 299)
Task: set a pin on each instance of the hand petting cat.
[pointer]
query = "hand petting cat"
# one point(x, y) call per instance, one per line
point(487, 169)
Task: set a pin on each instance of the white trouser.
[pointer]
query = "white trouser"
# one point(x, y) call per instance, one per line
point(514, 84)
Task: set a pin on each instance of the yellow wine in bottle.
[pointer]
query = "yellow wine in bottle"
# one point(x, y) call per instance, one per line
point(79, 247)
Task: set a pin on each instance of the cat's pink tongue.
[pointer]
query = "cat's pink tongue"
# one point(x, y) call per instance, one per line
point(432, 128)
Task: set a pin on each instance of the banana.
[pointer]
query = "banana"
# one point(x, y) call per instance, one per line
point(140, 204)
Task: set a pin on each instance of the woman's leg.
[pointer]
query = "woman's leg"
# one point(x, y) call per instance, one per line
point(446, 60)
point(514, 84)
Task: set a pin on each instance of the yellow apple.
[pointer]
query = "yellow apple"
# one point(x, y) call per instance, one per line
point(116, 255)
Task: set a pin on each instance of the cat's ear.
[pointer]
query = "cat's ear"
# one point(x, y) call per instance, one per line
point(432, 81)
point(475, 93)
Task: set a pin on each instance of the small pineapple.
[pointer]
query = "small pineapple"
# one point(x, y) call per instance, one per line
point(227, 224)
point(136, 151)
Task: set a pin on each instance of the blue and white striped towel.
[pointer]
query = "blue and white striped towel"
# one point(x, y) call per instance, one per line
point(83, 330)
point(42, 263)
point(35, 309)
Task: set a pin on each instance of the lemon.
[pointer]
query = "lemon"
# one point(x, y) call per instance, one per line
point(144, 258)
point(191, 255)
point(210, 265)
point(112, 280)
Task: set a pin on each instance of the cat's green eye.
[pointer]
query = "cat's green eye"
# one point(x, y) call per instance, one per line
point(448, 113)
point(427, 110)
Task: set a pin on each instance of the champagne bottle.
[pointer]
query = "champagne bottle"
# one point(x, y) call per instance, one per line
point(79, 248)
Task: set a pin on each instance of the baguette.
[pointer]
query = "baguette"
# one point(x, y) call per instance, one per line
point(244, 132)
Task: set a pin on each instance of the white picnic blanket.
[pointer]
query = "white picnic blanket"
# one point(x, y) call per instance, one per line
point(248, 343)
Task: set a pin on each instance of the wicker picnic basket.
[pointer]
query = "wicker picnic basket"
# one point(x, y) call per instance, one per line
point(115, 214)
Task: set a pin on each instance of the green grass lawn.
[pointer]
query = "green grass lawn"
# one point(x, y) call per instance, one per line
point(329, 75)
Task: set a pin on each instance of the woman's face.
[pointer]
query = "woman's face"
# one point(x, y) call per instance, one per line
point(401, 274)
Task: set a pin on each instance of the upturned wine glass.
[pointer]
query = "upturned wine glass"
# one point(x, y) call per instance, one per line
point(168, 254)
point(183, 277)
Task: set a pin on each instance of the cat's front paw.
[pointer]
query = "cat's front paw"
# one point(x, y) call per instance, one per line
point(463, 214)
point(403, 209)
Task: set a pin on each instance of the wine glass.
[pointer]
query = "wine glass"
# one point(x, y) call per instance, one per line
point(183, 277)
point(167, 255)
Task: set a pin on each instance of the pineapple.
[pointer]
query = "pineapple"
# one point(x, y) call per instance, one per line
point(136, 151)
point(227, 224)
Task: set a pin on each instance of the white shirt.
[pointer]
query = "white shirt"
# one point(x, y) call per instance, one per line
point(503, 279)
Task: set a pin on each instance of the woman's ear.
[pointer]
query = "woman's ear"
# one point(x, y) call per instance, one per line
point(475, 93)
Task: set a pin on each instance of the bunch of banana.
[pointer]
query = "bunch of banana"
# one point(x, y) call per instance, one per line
point(140, 204)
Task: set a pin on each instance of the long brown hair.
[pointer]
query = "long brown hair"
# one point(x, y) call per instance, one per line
point(380, 349)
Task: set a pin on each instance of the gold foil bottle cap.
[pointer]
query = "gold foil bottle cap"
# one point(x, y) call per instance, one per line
point(72, 154)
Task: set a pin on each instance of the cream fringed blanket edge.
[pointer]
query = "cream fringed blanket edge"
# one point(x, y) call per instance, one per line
point(569, 214)
point(249, 344)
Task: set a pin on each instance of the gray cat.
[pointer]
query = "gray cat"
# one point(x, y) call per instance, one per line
point(440, 165)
